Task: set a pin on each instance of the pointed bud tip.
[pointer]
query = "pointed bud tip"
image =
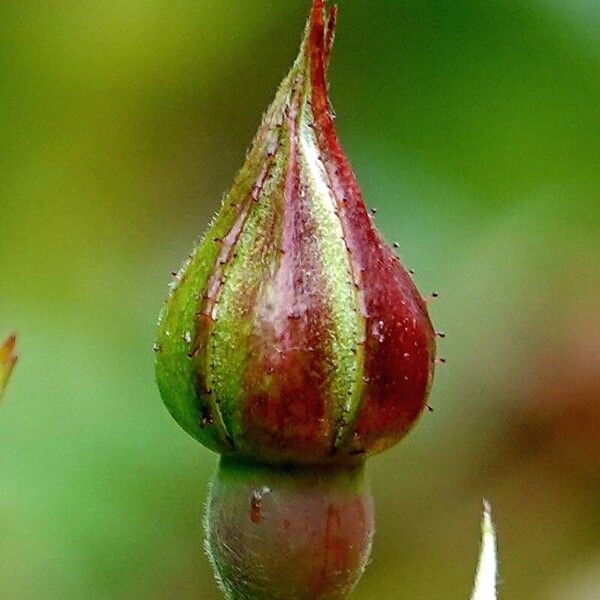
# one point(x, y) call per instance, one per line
point(7, 349)
point(7, 360)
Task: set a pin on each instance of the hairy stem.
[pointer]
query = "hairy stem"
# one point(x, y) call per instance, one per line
point(293, 533)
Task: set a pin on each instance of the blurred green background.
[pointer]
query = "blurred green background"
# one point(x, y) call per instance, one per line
point(474, 129)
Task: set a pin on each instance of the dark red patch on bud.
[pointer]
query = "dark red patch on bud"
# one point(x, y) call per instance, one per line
point(400, 340)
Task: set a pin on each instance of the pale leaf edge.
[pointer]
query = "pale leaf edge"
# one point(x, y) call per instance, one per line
point(486, 579)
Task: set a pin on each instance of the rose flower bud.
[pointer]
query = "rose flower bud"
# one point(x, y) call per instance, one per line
point(293, 334)
point(295, 344)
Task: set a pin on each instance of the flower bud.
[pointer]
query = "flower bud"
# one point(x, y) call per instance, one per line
point(7, 361)
point(293, 334)
point(302, 533)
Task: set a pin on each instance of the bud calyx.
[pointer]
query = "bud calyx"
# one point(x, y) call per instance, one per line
point(293, 334)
